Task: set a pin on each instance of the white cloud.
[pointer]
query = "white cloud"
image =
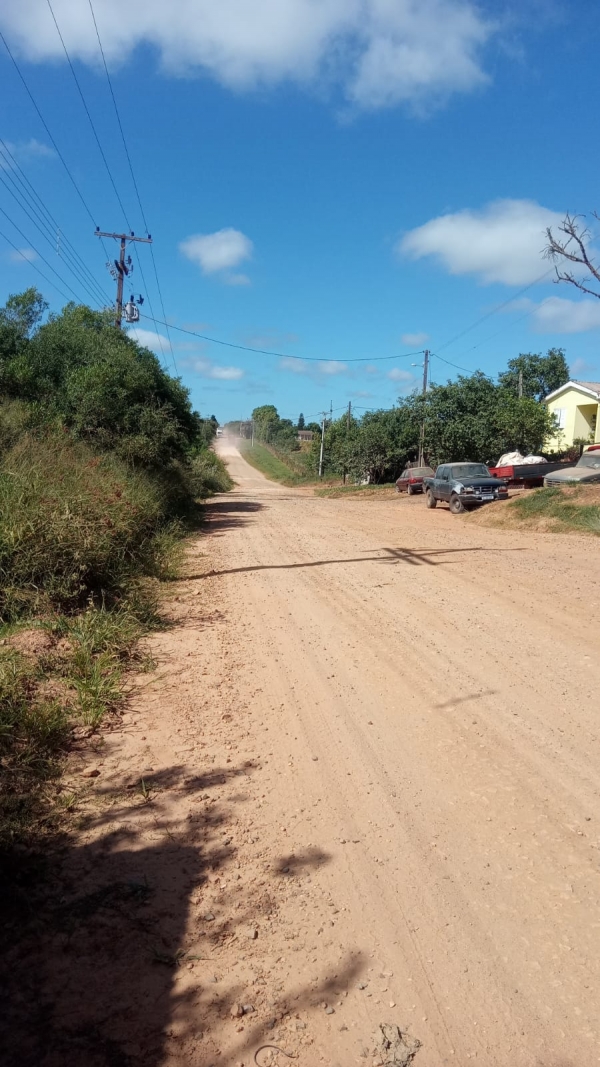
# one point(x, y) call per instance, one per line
point(330, 367)
point(217, 253)
point(296, 366)
point(398, 375)
point(327, 367)
point(24, 152)
point(378, 52)
point(207, 369)
point(414, 338)
point(157, 343)
point(502, 242)
point(22, 255)
point(557, 315)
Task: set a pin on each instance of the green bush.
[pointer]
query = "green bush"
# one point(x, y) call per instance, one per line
point(208, 475)
point(32, 732)
point(73, 525)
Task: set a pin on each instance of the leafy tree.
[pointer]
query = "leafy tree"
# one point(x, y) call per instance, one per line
point(375, 447)
point(80, 371)
point(539, 374)
point(265, 420)
point(474, 419)
point(23, 312)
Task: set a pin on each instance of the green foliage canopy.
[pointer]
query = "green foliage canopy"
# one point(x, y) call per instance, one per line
point(540, 375)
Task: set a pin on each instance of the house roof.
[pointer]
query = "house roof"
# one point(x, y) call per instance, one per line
point(591, 388)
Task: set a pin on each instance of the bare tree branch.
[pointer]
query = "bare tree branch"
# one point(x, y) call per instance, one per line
point(559, 249)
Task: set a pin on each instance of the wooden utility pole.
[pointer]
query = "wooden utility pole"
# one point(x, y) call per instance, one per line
point(422, 435)
point(521, 384)
point(322, 444)
point(349, 415)
point(122, 268)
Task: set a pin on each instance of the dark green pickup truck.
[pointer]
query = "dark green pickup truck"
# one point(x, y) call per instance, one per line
point(463, 486)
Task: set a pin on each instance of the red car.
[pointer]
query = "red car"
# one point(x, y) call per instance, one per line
point(411, 480)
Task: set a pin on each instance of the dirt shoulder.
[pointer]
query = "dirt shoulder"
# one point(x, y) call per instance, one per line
point(361, 788)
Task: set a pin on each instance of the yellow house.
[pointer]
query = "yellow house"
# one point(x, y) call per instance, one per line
point(576, 406)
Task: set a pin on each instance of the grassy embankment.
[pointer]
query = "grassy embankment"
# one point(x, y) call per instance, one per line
point(102, 461)
point(276, 467)
point(292, 470)
point(574, 509)
point(84, 543)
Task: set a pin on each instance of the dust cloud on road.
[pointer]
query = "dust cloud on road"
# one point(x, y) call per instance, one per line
point(427, 694)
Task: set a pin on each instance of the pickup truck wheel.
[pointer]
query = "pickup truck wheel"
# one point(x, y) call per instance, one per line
point(456, 505)
point(430, 499)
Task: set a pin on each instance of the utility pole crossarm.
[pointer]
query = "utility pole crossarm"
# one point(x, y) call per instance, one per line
point(121, 267)
point(125, 237)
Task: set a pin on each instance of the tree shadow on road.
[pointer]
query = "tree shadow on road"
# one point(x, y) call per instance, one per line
point(110, 949)
point(415, 557)
point(224, 515)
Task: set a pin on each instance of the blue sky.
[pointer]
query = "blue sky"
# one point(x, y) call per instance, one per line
point(339, 180)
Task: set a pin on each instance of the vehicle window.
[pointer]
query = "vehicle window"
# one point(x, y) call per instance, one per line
point(470, 470)
point(403, 475)
point(442, 474)
point(590, 460)
point(421, 472)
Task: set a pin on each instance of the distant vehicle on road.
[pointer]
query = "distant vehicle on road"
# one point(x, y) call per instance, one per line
point(219, 432)
point(411, 480)
point(463, 486)
point(586, 470)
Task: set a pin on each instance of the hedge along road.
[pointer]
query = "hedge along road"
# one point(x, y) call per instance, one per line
point(429, 694)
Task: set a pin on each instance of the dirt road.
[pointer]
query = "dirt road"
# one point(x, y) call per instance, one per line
point(360, 787)
point(428, 698)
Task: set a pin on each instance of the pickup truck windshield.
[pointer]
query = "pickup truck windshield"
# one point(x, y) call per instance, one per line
point(470, 470)
point(590, 459)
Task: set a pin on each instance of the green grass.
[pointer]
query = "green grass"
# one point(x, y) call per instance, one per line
point(575, 509)
point(352, 490)
point(75, 680)
point(264, 460)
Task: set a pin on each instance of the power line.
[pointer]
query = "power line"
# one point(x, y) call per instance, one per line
point(283, 355)
point(162, 305)
point(455, 365)
point(88, 113)
point(137, 192)
point(498, 307)
point(38, 253)
point(100, 148)
point(36, 268)
point(47, 129)
point(15, 173)
point(49, 240)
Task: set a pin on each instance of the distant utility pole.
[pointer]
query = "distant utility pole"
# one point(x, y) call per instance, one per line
point(425, 380)
point(348, 422)
point(520, 383)
point(122, 268)
point(324, 413)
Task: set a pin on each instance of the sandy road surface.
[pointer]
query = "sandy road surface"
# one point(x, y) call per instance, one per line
point(428, 698)
point(361, 786)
